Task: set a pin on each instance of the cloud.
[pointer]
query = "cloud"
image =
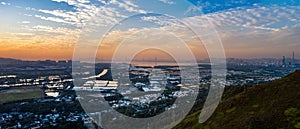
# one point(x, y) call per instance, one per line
point(252, 31)
point(128, 6)
point(24, 34)
point(35, 40)
point(239, 28)
point(167, 2)
point(25, 22)
point(68, 17)
point(55, 30)
point(81, 13)
point(54, 19)
point(245, 32)
point(262, 28)
point(152, 33)
point(161, 20)
point(4, 3)
point(243, 21)
point(36, 46)
point(103, 1)
point(70, 2)
point(272, 18)
point(84, 11)
point(84, 1)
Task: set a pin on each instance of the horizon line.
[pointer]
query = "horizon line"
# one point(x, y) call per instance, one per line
point(144, 60)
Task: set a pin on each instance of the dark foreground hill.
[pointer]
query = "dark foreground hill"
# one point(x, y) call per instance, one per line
point(268, 106)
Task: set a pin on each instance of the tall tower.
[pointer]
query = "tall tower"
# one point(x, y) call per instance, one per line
point(294, 58)
point(283, 60)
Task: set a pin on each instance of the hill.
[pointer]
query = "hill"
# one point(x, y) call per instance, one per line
point(267, 106)
point(8, 61)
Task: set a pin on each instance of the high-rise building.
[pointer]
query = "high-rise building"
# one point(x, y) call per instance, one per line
point(294, 58)
point(283, 60)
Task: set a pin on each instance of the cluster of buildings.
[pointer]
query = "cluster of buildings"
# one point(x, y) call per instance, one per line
point(34, 121)
point(146, 88)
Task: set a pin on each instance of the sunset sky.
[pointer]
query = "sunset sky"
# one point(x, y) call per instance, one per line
point(49, 29)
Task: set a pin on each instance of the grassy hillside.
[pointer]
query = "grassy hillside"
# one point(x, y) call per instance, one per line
point(267, 106)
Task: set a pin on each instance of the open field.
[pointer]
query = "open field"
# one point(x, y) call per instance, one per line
point(20, 93)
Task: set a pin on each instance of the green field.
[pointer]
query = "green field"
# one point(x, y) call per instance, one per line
point(20, 93)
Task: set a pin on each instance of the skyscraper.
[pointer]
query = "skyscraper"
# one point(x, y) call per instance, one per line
point(294, 58)
point(283, 60)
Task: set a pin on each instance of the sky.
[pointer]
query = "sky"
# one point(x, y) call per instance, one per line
point(52, 29)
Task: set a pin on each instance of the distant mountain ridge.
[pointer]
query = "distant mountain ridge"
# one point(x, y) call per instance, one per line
point(267, 106)
point(8, 60)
